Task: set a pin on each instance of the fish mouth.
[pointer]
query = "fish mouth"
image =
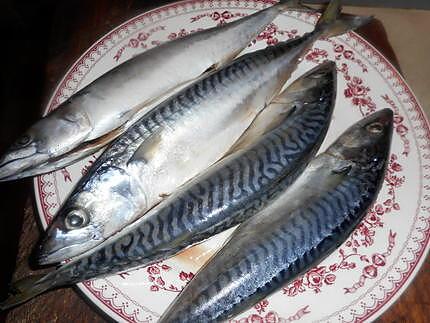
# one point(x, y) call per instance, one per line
point(384, 116)
point(9, 171)
point(12, 168)
point(321, 70)
point(59, 246)
point(44, 255)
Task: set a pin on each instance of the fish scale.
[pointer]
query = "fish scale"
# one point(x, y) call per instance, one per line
point(296, 231)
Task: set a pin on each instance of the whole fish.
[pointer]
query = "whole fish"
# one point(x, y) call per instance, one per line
point(101, 111)
point(298, 230)
point(290, 131)
point(173, 143)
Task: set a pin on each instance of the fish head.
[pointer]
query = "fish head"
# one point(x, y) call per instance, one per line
point(367, 142)
point(47, 139)
point(313, 85)
point(96, 210)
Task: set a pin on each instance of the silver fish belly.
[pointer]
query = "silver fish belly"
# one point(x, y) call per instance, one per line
point(163, 149)
point(101, 111)
point(298, 230)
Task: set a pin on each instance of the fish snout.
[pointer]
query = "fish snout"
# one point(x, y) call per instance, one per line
point(13, 163)
point(384, 117)
point(60, 244)
point(50, 249)
point(21, 155)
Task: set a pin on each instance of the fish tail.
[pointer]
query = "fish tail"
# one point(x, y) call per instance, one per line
point(330, 23)
point(25, 289)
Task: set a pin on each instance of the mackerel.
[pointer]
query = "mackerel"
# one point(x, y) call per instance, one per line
point(297, 231)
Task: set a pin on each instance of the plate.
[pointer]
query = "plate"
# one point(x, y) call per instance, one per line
point(371, 269)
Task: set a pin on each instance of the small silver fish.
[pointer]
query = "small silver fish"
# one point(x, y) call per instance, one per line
point(174, 142)
point(270, 155)
point(101, 111)
point(298, 230)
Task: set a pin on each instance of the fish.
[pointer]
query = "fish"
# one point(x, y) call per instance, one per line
point(104, 109)
point(173, 143)
point(272, 152)
point(301, 227)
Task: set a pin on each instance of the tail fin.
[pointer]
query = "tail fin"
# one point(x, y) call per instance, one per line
point(330, 24)
point(25, 289)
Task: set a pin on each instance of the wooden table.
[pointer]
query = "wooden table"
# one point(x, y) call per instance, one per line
point(44, 39)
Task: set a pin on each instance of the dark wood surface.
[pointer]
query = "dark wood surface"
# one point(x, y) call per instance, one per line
point(42, 41)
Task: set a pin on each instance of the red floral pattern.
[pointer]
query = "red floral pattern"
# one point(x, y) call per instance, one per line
point(220, 17)
point(260, 307)
point(357, 92)
point(155, 272)
point(316, 55)
point(139, 41)
point(271, 317)
point(67, 177)
point(272, 32)
point(341, 53)
point(371, 271)
point(88, 165)
point(399, 126)
point(181, 33)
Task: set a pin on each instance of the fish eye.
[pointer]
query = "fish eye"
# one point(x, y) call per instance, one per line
point(76, 219)
point(24, 140)
point(375, 127)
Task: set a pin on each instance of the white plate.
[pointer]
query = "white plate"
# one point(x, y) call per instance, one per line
point(358, 281)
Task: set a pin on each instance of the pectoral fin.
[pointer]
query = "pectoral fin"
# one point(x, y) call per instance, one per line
point(268, 119)
point(147, 150)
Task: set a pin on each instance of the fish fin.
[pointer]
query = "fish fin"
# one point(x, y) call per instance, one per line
point(330, 24)
point(24, 290)
point(147, 150)
point(100, 141)
point(343, 170)
point(267, 119)
point(128, 115)
point(83, 150)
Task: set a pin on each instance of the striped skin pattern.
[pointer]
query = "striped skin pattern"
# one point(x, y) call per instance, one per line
point(298, 230)
point(229, 192)
point(141, 166)
point(226, 81)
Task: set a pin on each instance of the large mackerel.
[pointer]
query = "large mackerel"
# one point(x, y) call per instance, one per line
point(298, 230)
point(101, 111)
point(290, 131)
point(174, 142)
